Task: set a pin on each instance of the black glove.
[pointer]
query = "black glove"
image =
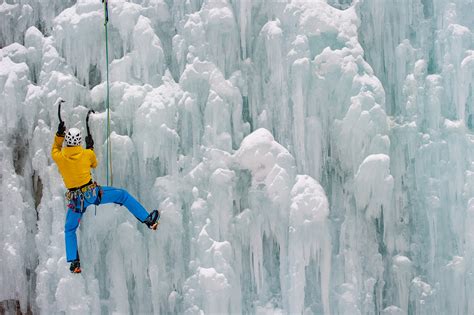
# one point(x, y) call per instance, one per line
point(61, 129)
point(89, 142)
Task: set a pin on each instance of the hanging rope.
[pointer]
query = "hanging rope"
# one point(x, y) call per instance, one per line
point(109, 143)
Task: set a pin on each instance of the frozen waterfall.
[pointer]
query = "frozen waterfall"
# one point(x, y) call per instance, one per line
point(309, 157)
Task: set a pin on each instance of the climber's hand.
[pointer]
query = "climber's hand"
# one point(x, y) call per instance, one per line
point(89, 142)
point(61, 129)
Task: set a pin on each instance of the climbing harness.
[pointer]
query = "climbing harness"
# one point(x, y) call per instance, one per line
point(77, 196)
point(109, 144)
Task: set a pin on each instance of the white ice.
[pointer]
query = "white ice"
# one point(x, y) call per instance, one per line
point(309, 157)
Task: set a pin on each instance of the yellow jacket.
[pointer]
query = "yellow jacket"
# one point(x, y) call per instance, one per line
point(74, 163)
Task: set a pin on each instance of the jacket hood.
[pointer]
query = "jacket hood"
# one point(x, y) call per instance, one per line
point(73, 153)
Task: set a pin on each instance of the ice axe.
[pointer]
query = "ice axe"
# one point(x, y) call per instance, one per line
point(61, 126)
point(89, 141)
point(60, 101)
point(91, 111)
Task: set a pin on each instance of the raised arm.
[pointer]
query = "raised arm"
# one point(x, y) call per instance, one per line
point(93, 158)
point(59, 138)
point(57, 146)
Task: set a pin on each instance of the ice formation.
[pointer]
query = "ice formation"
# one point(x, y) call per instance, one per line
point(309, 157)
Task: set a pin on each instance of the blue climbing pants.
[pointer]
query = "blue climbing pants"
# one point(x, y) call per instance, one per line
point(77, 207)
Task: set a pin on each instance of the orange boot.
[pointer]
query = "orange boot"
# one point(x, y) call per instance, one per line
point(152, 220)
point(75, 266)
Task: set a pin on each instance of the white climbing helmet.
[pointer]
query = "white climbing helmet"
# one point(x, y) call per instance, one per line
point(73, 137)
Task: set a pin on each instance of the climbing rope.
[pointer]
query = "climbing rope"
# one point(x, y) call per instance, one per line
point(109, 143)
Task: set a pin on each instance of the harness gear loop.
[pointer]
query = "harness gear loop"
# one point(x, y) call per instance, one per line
point(76, 196)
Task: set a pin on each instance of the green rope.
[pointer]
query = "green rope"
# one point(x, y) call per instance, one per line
point(109, 144)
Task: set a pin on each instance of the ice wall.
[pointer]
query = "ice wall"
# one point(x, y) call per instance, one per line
point(308, 157)
point(429, 93)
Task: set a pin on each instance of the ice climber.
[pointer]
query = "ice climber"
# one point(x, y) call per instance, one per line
point(75, 163)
